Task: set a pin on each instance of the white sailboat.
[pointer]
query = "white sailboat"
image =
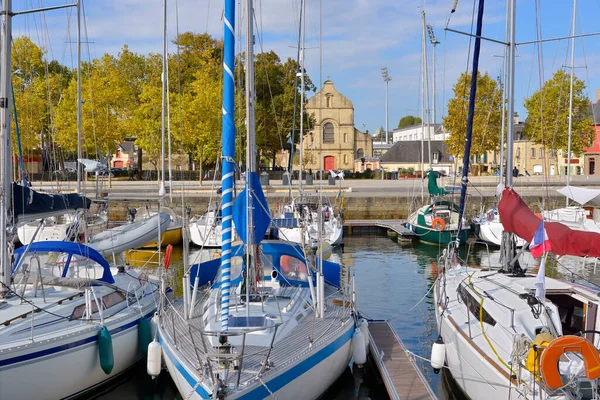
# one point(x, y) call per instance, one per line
point(504, 333)
point(69, 322)
point(267, 325)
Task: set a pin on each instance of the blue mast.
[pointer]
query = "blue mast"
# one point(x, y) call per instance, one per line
point(227, 153)
point(467, 155)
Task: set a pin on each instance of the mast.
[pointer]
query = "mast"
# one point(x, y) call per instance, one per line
point(504, 116)
point(162, 190)
point(422, 112)
point(426, 83)
point(303, 21)
point(511, 93)
point(79, 149)
point(250, 151)
point(227, 153)
point(470, 116)
point(571, 97)
point(5, 142)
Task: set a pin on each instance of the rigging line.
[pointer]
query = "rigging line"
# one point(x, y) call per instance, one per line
point(587, 74)
point(538, 33)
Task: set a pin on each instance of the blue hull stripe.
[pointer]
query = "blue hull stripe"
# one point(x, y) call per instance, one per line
point(68, 346)
point(278, 382)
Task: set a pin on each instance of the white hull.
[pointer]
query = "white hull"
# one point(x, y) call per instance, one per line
point(290, 383)
point(491, 232)
point(69, 372)
point(47, 232)
point(206, 236)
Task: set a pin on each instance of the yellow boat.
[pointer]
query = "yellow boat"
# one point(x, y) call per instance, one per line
point(173, 235)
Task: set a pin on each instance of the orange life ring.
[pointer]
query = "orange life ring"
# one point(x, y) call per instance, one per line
point(438, 222)
point(568, 344)
point(167, 260)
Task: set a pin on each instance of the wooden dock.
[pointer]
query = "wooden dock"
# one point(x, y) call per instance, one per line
point(396, 225)
point(402, 377)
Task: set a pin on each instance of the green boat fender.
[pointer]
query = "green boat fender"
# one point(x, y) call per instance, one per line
point(105, 349)
point(144, 335)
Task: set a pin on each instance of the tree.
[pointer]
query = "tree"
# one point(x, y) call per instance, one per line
point(548, 115)
point(487, 118)
point(409, 120)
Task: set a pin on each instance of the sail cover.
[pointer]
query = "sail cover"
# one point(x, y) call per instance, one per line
point(517, 218)
point(261, 215)
point(28, 202)
point(433, 187)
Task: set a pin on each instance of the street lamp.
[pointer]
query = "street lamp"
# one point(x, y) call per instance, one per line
point(386, 78)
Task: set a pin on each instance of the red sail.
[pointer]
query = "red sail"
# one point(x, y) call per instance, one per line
point(517, 218)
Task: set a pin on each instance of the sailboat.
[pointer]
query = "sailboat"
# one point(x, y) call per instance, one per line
point(69, 322)
point(267, 323)
point(505, 333)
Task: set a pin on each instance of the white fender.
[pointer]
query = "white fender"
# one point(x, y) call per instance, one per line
point(358, 348)
point(154, 363)
point(438, 354)
point(363, 325)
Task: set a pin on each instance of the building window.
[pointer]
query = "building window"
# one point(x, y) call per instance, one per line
point(360, 153)
point(532, 152)
point(329, 100)
point(435, 158)
point(345, 158)
point(328, 133)
point(542, 153)
point(345, 138)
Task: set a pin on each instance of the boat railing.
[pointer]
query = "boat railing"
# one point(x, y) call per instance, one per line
point(487, 250)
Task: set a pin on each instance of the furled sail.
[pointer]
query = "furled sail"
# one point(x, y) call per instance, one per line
point(517, 218)
point(29, 204)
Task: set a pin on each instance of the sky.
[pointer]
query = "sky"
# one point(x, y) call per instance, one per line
point(359, 37)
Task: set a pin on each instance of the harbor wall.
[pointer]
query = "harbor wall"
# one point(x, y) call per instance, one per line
point(363, 207)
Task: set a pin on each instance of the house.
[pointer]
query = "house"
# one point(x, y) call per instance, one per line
point(407, 154)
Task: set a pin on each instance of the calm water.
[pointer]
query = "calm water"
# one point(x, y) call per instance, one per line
point(391, 279)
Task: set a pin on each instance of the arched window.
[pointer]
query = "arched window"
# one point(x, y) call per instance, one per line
point(360, 153)
point(345, 158)
point(328, 135)
point(329, 100)
point(345, 137)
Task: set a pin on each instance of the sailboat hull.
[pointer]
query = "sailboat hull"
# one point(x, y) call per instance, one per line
point(306, 378)
point(435, 237)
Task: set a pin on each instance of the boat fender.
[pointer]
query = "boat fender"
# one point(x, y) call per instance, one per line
point(438, 224)
point(168, 252)
point(154, 324)
point(363, 325)
point(438, 355)
point(144, 335)
point(105, 350)
point(358, 348)
point(154, 362)
point(541, 341)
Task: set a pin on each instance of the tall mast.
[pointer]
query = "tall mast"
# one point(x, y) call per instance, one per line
point(303, 21)
point(79, 149)
point(5, 141)
point(470, 117)
point(571, 96)
point(227, 154)
point(250, 151)
point(162, 190)
point(511, 93)
point(504, 116)
point(426, 83)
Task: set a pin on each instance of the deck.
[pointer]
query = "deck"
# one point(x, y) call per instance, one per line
point(402, 377)
point(396, 225)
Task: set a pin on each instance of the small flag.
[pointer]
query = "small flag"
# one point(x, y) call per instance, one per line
point(540, 243)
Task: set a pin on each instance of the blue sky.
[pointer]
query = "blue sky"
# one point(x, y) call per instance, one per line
point(359, 37)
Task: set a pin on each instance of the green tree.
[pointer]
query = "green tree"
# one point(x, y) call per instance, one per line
point(487, 118)
point(548, 115)
point(409, 120)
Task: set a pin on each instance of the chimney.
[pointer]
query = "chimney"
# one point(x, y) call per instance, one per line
point(515, 118)
point(597, 95)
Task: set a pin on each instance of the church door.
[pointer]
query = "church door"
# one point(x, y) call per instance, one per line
point(329, 163)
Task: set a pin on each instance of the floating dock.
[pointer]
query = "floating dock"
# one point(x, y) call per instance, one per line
point(402, 377)
point(396, 225)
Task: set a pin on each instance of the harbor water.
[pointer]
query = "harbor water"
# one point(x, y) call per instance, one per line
point(393, 283)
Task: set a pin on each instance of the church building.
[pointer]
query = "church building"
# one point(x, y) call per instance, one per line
point(333, 137)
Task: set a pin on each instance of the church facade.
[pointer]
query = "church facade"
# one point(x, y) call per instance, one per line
point(333, 140)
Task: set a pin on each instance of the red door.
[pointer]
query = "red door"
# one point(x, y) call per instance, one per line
point(329, 162)
point(118, 164)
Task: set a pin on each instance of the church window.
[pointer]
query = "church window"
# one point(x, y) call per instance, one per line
point(328, 100)
point(345, 158)
point(328, 133)
point(360, 153)
point(345, 137)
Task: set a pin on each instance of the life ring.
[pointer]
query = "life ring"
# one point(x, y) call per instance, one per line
point(167, 261)
point(568, 344)
point(438, 222)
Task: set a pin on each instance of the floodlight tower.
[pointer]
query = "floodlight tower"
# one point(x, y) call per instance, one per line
point(386, 78)
point(434, 42)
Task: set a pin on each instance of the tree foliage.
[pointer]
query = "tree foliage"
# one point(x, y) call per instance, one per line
point(409, 120)
point(548, 115)
point(487, 118)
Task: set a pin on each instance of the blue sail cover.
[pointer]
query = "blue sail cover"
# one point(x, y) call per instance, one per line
point(261, 214)
point(27, 201)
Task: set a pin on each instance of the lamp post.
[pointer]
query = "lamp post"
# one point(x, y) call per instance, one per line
point(386, 78)
point(434, 42)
